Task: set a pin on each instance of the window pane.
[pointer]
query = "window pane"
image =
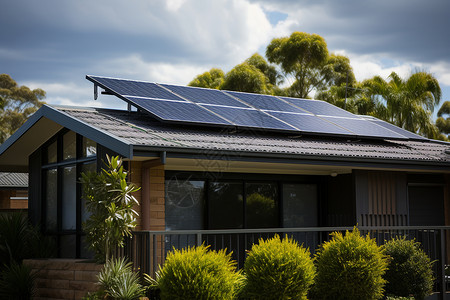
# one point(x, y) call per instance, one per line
point(51, 200)
point(226, 206)
point(67, 246)
point(299, 205)
point(184, 204)
point(69, 207)
point(89, 147)
point(52, 153)
point(261, 205)
point(86, 168)
point(69, 145)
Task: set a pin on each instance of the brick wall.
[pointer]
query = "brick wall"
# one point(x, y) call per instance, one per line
point(157, 202)
point(64, 278)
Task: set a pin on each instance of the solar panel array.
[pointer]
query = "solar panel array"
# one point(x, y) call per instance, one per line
point(191, 105)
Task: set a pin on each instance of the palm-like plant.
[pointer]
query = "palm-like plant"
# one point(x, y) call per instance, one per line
point(407, 103)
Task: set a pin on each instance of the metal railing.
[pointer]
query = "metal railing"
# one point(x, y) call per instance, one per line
point(148, 249)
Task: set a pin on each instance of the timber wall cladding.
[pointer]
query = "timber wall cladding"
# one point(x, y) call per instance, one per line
point(64, 278)
point(386, 200)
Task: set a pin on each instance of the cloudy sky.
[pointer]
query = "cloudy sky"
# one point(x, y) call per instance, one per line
point(53, 44)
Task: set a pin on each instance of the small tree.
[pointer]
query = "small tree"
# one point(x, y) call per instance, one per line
point(350, 267)
point(110, 202)
point(410, 271)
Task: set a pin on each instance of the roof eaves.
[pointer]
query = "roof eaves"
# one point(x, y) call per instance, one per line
point(351, 161)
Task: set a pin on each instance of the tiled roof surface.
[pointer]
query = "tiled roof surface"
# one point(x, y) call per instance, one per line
point(13, 179)
point(139, 129)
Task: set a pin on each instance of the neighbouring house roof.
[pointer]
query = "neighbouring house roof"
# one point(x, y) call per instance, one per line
point(13, 180)
point(134, 134)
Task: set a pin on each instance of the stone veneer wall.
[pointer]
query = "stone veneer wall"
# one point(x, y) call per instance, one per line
point(64, 278)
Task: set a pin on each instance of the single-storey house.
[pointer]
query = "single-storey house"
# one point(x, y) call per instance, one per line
point(13, 191)
point(210, 159)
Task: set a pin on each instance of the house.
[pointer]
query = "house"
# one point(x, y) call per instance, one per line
point(13, 191)
point(210, 160)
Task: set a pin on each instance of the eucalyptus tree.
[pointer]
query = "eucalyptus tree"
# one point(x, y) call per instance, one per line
point(307, 65)
point(212, 79)
point(407, 103)
point(17, 104)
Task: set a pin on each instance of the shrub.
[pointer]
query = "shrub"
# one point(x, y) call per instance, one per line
point(278, 269)
point(350, 267)
point(409, 270)
point(110, 202)
point(198, 273)
point(20, 240)
point(118, 281)
point(17, 282)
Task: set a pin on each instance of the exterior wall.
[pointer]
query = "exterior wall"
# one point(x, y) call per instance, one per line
point(7, 200)
point(64, 278)
point(381, 198)
point(152, 196)
point(135, 176)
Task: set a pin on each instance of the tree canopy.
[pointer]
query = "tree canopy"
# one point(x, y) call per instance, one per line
point(301, 64)
point(17, 104)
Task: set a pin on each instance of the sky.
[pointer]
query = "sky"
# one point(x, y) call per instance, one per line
point(54, 44)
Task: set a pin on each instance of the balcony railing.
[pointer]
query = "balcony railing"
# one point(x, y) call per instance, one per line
point(148, 249)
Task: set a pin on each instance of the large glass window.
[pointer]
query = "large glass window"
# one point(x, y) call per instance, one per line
point(261, 205)
point(51, 200)
point(69, 145)
point(300, 205)
point(69, 199)
point(184, 204)
point(226, 205)
point(64, 158)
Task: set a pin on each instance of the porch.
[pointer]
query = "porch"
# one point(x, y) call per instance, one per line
point(148, 249)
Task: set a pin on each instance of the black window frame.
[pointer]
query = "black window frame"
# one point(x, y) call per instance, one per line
point(59, 165)
point(279, 179)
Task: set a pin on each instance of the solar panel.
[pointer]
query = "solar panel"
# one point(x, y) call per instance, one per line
point(310, 123)
point(135, 88)
point(178, 111)
point(250, 118)
point(192, 105)
point(394, 128)
point(266, 102)
point(207, 96)
point(319, 107)
point(362, 127)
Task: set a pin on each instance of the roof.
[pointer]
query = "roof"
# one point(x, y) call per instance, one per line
point(134, 134)
point(17, 180)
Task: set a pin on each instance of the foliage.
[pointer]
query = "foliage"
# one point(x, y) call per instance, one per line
point(407, 103)
point(278, 269)
point(409, 270)
point(118, 281)
point(17, 282)
point(110, 202)
point(17, 104)
point(20, 240)
point(443, 120)
point(245, 78)
point(198, 273)
point(305, 60)
point(212, 79)
point(349, 267)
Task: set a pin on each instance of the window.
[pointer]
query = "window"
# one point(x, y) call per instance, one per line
point(64, 158)
point(239, 203)
point(184, 204)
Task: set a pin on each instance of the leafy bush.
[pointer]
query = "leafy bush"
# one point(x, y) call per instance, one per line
point(20, 240)
point(118, 281)
point(278, 269)
point(16, 282)
point(409, 270)
point(110, 202)
point(198, 273)
point(350, 267)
